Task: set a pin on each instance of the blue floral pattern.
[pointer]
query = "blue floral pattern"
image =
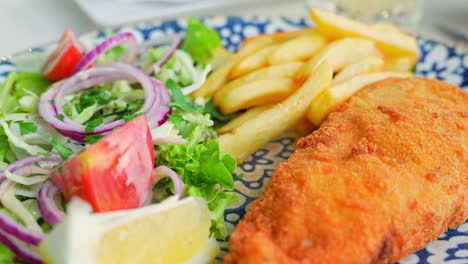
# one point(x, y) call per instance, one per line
point(437, 60)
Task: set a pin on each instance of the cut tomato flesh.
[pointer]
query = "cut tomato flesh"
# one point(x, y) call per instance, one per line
point(113, 174)
point(64, 58)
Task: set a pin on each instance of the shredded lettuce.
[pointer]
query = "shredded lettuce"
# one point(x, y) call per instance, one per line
point(180, 67)
point(205, 171)
point(20, 92)
point(200, 40)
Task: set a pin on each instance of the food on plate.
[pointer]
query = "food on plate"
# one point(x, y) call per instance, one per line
point(365, 65)
point(220, 56)
point(63, 60)
point(391, 40)
point(358, 54)
point(256, 93)
point(179, 233)
point(297, 49)
point(266, 126)
point(114, 173)
point(252, 62)
point(220, 75)
point(117, 147)
point(242, 118)
point(337, 94)
point(131, 146)
point(339, 54)
point(400, 64)
point(385, 174)
point(279, 37)
point(287, 70)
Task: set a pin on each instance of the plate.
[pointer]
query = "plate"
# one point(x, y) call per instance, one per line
point(438, 60)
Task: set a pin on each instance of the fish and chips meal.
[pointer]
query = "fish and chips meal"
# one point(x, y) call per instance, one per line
point(125, 152)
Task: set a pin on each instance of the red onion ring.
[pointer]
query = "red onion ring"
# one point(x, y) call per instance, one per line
point(10, 227)
point(11, 233)
point(116, 40)
point(21, 250)
point(20, 166)
point(155, 105)
point(163, 171)
point(45, 201)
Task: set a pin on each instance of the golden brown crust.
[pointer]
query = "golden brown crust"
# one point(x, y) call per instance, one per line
point(385, 174)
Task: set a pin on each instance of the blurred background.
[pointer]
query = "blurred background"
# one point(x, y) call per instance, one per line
point(28, 23)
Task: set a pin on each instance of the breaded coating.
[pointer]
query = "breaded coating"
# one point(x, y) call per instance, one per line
point(385, 174)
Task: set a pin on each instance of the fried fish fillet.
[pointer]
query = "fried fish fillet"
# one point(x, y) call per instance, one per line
point(386, 173)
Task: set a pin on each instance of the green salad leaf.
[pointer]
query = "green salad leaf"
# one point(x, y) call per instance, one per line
point(218, 201)
point(64, 151)
point(205, 171)
point(26, 127)
point(91, 139)
point(8, 102)
point(6, 255)
point(28, 83)
point(200, 40)
point(21, 90)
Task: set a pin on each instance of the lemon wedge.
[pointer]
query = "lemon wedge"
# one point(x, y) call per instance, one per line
point(174, 231)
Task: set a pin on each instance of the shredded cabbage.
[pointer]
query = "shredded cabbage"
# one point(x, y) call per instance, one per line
point(18, 209)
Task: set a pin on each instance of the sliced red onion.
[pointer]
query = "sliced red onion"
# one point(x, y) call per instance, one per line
point(174, 41)
point(51, 102)
point(31, 160)
point(163, 171)
point(23, 167)
point(45, 201)
point(21, 250)
point(28, 161)
point(12, 228)
point(116, 40)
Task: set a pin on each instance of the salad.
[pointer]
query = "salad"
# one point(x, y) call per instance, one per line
point(115, 126)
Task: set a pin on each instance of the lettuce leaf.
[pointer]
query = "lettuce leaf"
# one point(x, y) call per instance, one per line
point(205, 170)
point(19, 85)
point(6, 255)
point(200, 40)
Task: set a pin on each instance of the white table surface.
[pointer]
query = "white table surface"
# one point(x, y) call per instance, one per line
point(27, 23)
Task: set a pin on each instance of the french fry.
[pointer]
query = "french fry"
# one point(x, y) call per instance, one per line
point(251, 63)
point(323, 104)
point(218, 76)
point(366, 65)
point(339, 54)
point(280, 37)
point(268, 125)
point(387, 28)
point(399, 64)
point(287, 70)
point(220, 57)
point(297, 49)
point(391, 41)
point(256, 93)
point(242, 118)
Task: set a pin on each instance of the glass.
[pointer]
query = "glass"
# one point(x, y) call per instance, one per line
point(405, 13)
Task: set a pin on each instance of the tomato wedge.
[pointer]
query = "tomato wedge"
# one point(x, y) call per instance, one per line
point(64, 58)
point(115, 173)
